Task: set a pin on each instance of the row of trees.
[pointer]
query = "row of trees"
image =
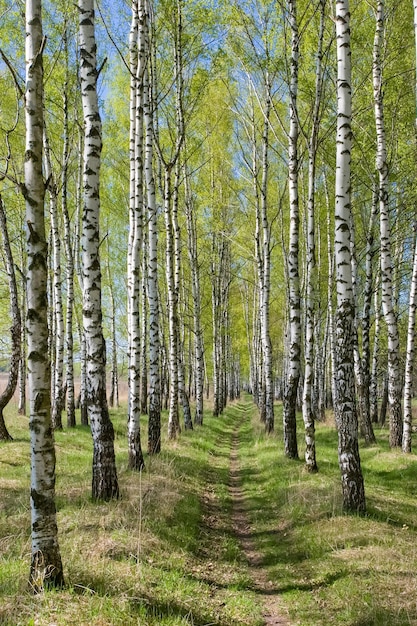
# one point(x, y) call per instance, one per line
point(249, 234)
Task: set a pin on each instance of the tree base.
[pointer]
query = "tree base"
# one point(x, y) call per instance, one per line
point(46, 571)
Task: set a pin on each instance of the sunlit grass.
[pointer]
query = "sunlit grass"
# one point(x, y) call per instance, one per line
point(165, 553)
point(150, 558)
point(332, 568)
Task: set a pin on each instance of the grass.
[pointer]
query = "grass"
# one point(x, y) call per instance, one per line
point(165, 554)
point(161, 555)
point(332, 568)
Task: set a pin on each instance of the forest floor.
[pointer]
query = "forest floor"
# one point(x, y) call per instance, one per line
point(221, 529)
point(272, 610)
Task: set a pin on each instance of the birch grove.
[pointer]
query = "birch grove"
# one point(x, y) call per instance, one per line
point(252, 263)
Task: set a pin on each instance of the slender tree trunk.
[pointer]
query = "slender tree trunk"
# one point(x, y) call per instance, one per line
point(263, 236)
point(154, 419)
point(294, 346)
point(409, 363)
point(145, 331)
point(57, 309)
point(22, 362)
point(345, 403)
point(69, 260)
point(196, 295)
point(412, 307)
point(139, 60)
point(308, 411)
point(82, 396)
point(388, 307)
point(173, 325)
point(46, 566)
point(183, 396)
point(104, 480)
point(373, 384)
point(366, 324)
point(114, 374)
point(15, 330)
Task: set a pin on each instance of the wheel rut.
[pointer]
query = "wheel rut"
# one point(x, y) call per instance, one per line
point(269, 596)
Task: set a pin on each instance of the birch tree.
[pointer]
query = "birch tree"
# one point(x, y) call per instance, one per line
point(345, 401)
point(294, 339)
point(154, 410)
point(412, 307)
point(388, 306)
point(16, 328)
point(46, 565)
point(69, 254)
point(57, 308)
point(196, 295)
point(137, 68)
point(311, 281)
point(104, 480)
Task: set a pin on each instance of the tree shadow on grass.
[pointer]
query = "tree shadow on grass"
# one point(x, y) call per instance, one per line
point(384, 617)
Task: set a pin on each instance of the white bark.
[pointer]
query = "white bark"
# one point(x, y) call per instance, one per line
point(154, 428)
point(57, 308)
point(265, 277)
point(308, 412)
point(345, 402)
point(294, 340)
point(409, 363)
point(388, 305)
point(196, 295)
point(104, 483)
point(16, 328)
point(136, 210)
point(412, 306)
point(69, 265)
point(46, 566)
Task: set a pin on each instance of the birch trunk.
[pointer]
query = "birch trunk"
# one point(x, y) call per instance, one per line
point(265, 273)
point(46, 566)
point(56, 288)
point(294, 344)
point(366, 325)
point(22, 362)
point(196, 295)
point(16, 329)
point(104, 480)
point(114, 374)
point(308, 411)
point(69, 262)
point(345, 402)
point(388, 306)
point(412, 307)
point(183, 396)
point(373, 385)
point(82, 396)
point(409, 363)
point(138, 59)
point(154, 420)
point(145, 330)
point(173, 327)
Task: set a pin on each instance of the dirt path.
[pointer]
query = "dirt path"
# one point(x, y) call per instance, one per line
point(272, 613)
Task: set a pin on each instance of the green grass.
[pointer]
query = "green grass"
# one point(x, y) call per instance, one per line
point(161, 555)
point(332, 568)
point(165, 554)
